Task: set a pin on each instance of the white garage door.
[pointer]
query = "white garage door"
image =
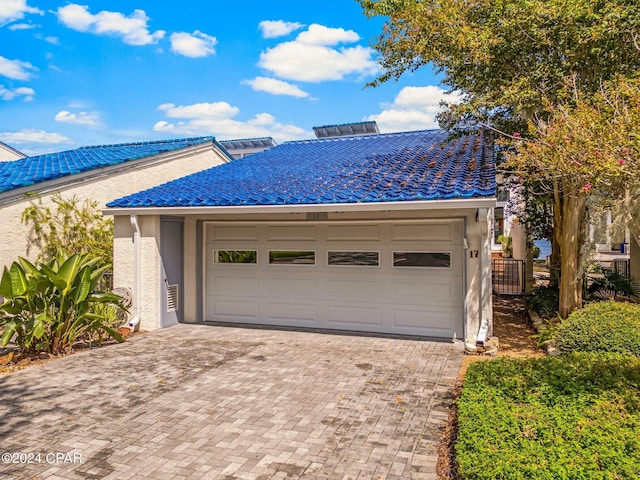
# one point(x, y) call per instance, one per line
point(395, 277)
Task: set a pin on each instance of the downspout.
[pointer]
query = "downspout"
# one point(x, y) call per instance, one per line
point(485, 260)
point(134, 323)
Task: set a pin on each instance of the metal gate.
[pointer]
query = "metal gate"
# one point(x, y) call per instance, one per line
point(508, 276)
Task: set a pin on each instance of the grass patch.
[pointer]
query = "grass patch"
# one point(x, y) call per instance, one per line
point(573, 417)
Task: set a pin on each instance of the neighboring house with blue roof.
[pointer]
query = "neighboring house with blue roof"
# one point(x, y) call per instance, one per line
point(243, 147)
point(383, 233)
point(8, 153)
point(100, 173)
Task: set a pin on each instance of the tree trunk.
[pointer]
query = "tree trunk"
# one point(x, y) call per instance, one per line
point(554, 262)
point(571, 237)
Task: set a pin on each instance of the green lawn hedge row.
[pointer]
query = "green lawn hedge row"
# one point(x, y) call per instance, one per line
point(574, 417)
point(601, 327)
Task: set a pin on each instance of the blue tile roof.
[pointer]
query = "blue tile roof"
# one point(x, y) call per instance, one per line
point(422, 165)
point(32, 170)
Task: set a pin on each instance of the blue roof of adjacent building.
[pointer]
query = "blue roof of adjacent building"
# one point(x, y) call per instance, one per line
point(41, 168)
point(408, 166)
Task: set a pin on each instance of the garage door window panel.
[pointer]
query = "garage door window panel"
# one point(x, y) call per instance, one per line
point(338, 258)
point(292, 257)
point(422, 259)
point(235, 256)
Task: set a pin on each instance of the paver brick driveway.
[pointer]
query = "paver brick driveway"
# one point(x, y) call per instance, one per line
point(210, 402)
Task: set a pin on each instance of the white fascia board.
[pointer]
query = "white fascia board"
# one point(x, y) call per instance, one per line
point(324, 207)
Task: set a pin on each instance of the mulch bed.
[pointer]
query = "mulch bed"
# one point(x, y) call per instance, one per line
point(12, 361)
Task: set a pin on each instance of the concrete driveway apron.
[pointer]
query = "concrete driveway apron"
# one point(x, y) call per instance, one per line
point(212, 402)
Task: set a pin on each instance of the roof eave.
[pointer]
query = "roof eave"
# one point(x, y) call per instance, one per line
point(458, 203)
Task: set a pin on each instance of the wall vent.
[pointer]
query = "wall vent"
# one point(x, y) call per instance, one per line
point(172, 298)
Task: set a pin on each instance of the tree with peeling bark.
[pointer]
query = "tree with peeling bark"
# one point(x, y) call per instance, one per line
point(510, 60)
point(591, 146)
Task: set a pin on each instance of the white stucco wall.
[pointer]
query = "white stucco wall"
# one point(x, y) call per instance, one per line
point(8, 154)
point(150, 267)
point(477, 259)
point(112, 184)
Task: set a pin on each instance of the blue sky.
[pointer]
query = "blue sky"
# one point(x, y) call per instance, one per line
point(97, 72)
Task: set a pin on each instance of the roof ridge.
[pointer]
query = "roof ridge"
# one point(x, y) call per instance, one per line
point(247, 138)
point(148, 142)
point(360, 137)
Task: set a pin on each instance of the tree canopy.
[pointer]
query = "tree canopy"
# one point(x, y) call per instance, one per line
point(592, 146)
point(506, 56)
point(558, 73)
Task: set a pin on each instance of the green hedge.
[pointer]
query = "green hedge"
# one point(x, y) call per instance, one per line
point(570, 417)
point(601, 327)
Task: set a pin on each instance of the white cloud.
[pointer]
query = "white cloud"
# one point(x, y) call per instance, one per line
point(311, 58)
point(36, 142)
point(90, 119)
point(8, 94)
point(217, 119)
point(11, 10)
point(275, 87)
point(78, 104)
point(16, 69)
point(425, 97)
point(194, 45)
point(278, 28)
point(22, 26)
point(49, 39)
point(414, 108)
point(321, 35)
point(33, 136)
point(199, 110)
point(133, 29)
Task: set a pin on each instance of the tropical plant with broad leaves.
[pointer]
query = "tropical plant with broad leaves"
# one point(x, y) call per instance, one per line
point(612, 284)
point(51, 306)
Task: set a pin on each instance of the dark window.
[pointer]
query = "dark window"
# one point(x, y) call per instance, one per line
point(292, 257)
point(503, 194)
point(360, 259)
point(422, 259)
point(498, 223)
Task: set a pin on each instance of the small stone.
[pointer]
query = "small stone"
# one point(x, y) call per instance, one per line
point(491, 351)
point(470, 348)
point(553, 351)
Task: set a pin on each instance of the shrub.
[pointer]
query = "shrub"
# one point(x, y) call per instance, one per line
point(573, 417)
point(544, 300)
point(50, 307)
point(535, 251)
point(612, 283)
point(70, 227)
point(601, 327)
point(507, 245)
